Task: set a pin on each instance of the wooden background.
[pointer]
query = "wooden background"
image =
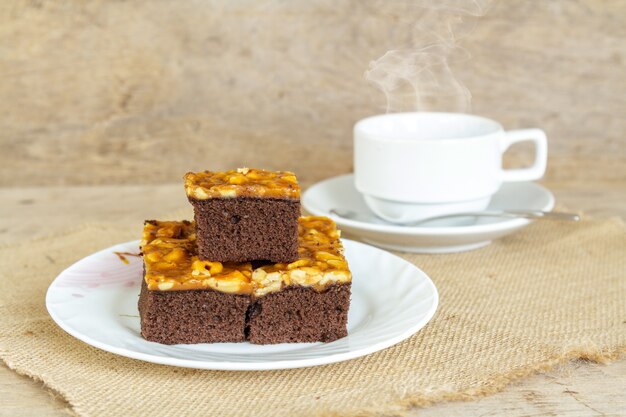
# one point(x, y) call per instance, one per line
point(117, 92)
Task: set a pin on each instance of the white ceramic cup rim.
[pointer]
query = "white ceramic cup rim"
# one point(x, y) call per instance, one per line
point(370, 127)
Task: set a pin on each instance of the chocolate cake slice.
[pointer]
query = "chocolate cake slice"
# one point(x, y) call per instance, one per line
point(245, 214)
point(185, 300)
point(306, 300)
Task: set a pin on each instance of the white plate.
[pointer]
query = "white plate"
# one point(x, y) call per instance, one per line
point(95, 300)
point(437, 237)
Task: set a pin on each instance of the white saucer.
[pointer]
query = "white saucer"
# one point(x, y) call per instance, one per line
point(95, 300)
point(442, 236)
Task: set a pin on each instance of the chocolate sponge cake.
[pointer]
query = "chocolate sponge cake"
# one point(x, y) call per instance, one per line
point(245, 214)
point(188, 300)
point(299, 314)
point(306, 300)
point(176, 306)
point(197, 316)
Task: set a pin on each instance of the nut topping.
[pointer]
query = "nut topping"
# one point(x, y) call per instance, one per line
point(246, 182)
point(172, 263)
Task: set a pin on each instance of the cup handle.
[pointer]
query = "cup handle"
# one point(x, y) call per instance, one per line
point(538, 168)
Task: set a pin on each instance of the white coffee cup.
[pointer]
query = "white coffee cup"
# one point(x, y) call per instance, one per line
point(411, 166)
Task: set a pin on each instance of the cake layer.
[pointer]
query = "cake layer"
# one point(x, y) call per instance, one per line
point(206, 316)
point(243, 182)
point(299, 315)
point(247, 229)
point(172, 262)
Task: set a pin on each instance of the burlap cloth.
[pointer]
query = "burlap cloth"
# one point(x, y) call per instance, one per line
point(550, 293)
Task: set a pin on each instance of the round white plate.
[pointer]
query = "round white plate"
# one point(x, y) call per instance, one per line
point(95, 300)
point(440, 236)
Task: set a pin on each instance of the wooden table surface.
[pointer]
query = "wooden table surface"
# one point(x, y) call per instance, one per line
point(575, 389)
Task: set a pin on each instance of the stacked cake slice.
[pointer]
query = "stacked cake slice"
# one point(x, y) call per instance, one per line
point(248, 267)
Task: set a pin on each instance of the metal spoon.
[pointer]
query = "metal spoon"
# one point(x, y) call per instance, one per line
point(509, 214)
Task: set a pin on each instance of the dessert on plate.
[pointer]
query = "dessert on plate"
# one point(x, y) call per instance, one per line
point(187, 298)
point(306, 300)
point(245, 214)
point(177, 306)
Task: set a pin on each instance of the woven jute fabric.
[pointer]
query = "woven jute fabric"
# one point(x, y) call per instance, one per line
point(547, 294)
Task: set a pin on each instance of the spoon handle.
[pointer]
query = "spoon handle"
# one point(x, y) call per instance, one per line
point(536, 214)
point(526, 214)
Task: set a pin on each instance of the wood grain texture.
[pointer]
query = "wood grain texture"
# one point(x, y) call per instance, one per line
point(576, 389)
point(140, 92)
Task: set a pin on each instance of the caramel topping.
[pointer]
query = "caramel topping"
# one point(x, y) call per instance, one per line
point(122, 256)
point(320, 262)
point(170, 256)
point(245, 182)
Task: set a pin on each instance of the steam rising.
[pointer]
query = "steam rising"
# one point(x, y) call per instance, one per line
point(418, 76)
